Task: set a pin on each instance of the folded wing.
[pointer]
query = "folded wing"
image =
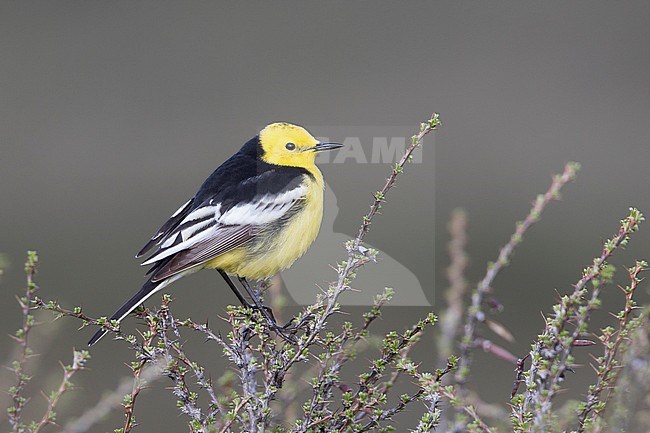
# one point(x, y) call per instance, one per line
point(167, 228)
point(197, 234)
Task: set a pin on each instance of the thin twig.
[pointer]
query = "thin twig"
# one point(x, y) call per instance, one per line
point(393, 348)
point(235, 412)
point(147, 355)
point(552, 352)
point(357, 257)
point(333, 361)
point(630, 403)
point(187, 400)
point(79, 359)
point(606, 368)
point(112, 400)
point(475, 312)
point(468, 409)
point(21, 337)
point(451, 317)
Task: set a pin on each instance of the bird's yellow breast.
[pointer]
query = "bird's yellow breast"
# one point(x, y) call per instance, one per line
point(268, 255)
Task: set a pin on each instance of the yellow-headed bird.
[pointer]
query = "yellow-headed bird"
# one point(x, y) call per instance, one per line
point(252, 217)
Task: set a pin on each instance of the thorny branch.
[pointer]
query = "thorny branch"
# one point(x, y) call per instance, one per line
point(452, 315)
point(111, 401)
point(21, 337)
point(148, 355)
point(78, 361)
point(19, 401)
point(551, 355)
point(475, 312)
point(607, 365)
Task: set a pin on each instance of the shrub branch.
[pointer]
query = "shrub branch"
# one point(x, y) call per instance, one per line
point(475, 312)
point(551, 354)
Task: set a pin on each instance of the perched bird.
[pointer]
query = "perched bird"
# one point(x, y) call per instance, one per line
point(252, 217)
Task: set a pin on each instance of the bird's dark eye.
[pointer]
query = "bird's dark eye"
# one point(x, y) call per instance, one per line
point(290, 146)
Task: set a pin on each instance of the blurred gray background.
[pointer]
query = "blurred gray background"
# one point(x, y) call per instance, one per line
point(112, 114)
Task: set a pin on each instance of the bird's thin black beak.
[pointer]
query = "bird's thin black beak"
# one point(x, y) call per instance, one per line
point(326, 146)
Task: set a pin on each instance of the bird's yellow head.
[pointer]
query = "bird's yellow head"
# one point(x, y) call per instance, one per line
point(291, 145)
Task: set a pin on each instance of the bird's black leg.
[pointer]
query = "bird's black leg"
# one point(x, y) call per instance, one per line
point(255, 298)
point(267, 312)
point(256, 303)
point(235, 290)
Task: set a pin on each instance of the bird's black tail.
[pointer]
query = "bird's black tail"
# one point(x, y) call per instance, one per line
point(145, 292)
